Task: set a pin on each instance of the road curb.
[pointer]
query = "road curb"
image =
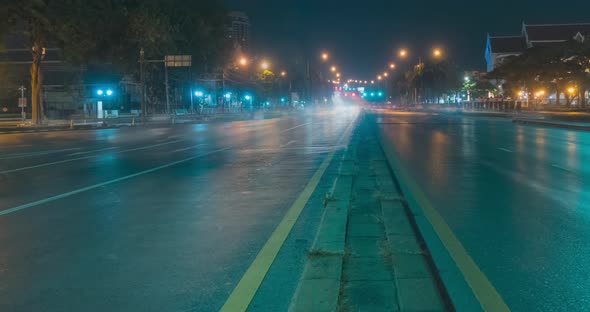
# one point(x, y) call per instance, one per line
point(319, 286)
point(468, 289)
point(550, 124)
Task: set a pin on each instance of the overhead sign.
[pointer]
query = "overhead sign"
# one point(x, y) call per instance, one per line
point(178, 60)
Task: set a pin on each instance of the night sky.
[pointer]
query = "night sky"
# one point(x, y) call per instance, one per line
point(363, 35)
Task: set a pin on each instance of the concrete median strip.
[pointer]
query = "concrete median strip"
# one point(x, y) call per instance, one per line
point(367, 255)
point(319, 287)
point(242, 295)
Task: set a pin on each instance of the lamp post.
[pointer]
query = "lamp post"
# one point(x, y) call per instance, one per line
point(22, 102)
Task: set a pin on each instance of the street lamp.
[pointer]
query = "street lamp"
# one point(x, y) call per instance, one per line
point(392, 66)
point(283, 73)
point(243, 61)
point(571, 90)
point(199, 94)
point(379, 77)
point(403, 53)
point(385, 74)
point(325, 56)
point(264, 65)
point(338, 75)
point(436, 52)
point(333, 69)
point(372, 81)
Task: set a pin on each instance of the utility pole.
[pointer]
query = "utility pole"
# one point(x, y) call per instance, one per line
point(22, 102)
point(166, 82)
point(142, 78)
point(223, 90)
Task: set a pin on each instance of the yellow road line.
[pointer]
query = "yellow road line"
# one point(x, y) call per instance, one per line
point(242, 295)
point(484, 291)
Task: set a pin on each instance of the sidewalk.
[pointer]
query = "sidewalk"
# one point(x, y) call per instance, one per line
point(564, 120)
point(584, 126)
point(368, 254)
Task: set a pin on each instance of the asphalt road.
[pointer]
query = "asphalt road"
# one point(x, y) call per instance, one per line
point(517, 198)
point(148, 219)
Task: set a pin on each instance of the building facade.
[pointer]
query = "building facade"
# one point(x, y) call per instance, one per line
point(532, 35)
point(238, 29)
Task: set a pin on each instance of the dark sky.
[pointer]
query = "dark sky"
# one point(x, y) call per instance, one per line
point(363, 35)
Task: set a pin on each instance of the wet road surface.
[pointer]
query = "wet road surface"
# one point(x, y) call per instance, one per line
point(517, 198)
point(148, 219)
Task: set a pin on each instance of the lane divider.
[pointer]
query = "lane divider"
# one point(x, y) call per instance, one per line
point(244, 292)
point(95, 186)
point(85, 157)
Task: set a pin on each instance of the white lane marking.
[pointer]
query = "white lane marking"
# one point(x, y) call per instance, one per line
point(505, 150)
point(91, 187)
point(80, 158)
point(187, 148)
point(87, 152)
point(21, 155)
point(288, 143)
point(560, 167)
point(305, 124)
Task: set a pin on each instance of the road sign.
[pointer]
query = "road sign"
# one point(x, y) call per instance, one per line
point(178, 60)
point(22, 102)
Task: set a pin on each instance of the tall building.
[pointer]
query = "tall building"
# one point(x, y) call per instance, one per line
point(238, 29)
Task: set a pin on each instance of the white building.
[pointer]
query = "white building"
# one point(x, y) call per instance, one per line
point(500, 47)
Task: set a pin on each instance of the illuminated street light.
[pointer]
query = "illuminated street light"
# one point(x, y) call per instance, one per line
point(385, 74)
point(392, 66)
point(264, 65)
point(325, 56)
point(436, 52)
point(243, 61)
point(283, 73)
point(338, 75)
point(365, 82)
point(372, 81)
point(99, 92)
point(198, 93)
point(466, 78)
point(248, 97)
point(379, 77)
point(333, 69)
point(109, 92)
point(403, 53)
point(571, 90)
